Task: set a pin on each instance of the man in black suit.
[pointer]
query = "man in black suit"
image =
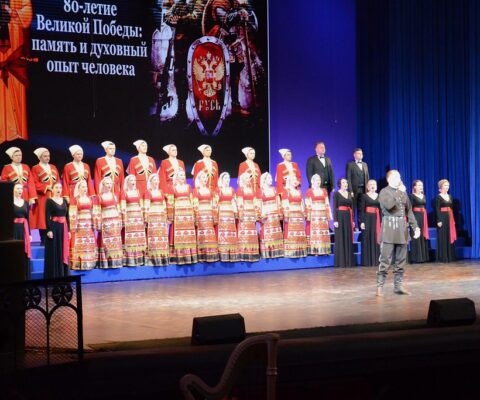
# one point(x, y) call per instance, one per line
point(321, 165)
point(357, 177)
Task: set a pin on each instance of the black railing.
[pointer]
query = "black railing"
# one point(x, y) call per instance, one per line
point(41, 323)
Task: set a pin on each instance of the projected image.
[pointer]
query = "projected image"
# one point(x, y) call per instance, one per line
point(187, 72)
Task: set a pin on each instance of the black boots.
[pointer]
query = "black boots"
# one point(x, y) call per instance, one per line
point(398, 285)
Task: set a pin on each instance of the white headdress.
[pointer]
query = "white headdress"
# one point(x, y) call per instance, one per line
point(283, 152)
point(244, 178)
point(314, 176)
point(75, 148)
point(102, 184)
point(137, 143)
point(245, 150)
point(166, 148)
point(202, 148)
point(77, 188)
point(11, 151)
point(38, 152)
point(107, 143)
point(220, 178)
point(175, 175)
point(127, 179)
point(199, 177)
point(263, 178)
point(149, 182)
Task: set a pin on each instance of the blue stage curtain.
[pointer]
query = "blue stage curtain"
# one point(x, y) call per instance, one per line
point(418, 97)
point(474, 124)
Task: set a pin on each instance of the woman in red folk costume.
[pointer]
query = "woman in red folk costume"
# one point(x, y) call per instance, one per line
point(83, 214)
point(250, 167)
point(44, 175)
point(294, 220)
point(158, 251)
point(208, 166)
point(183, 240)
point(76, 171)
point(205, 219)
point(17, 172)
point(142, 166)
point(248, 247)
point(21, 230)
point(110, 166)
point(285, 169)
point(318, 215)
point(133, 220)
point(271, 235)
point(227, 213)
point(169, 167)
point(109, 227)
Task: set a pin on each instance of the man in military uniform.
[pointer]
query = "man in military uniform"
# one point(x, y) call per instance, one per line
point(397, 218)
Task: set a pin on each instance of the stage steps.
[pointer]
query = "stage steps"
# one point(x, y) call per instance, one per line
point(172, 271)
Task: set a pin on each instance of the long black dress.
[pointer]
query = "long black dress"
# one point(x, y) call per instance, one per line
point(369, 239)
point(419, 248)
point(445, 249)
point(19, 231)
point(344, 256)
point(55, 267)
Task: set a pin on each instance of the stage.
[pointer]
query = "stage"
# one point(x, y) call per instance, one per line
point(269, 301)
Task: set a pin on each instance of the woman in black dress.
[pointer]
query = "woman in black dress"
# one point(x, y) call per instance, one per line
point(419, 248)
point(446, 233)
point(57, 240)
point(21, 230)
point(370, 221)
point(343, 218)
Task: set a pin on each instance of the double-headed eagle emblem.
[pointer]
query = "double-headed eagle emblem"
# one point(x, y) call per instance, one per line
point(209, 72)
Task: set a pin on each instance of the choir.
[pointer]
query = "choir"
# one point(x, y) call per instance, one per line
point(154, 217)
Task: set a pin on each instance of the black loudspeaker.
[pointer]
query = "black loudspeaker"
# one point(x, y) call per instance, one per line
point(451, 312)
point(218, 329)
point(13, 265)
point(6, 211)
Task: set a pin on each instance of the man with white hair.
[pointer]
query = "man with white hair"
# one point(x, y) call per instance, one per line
point(76, 171)
point(110, 166)
point(397, 218)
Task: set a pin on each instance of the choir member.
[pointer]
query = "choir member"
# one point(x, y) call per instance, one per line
point(446, 230)
point(370, 224)
point(169, 167)
point(109, 226)
point(158, 251)
point(21, 230)
point(287, 168)
point(205, 219)
point(227, 213)
point(250, 167)
point(142, 166)
point(294, 235)
point(319, 213)
point(111, 166)
point(270, 207)
point(131, 205)
point(44, 175)
point(83, 214)
point(57, 242)
point(248, 247)
point(419, 248)
point(183, 240)
point(322, 165)
point(357, 177)
point(76, 171)
point(343, 217)
point(17, 172)
point(207, 165)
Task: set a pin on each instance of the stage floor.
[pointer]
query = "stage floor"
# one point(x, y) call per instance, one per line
point(269, 301)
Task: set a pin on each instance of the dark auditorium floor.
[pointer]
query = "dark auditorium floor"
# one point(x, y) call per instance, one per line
point(269, 301)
